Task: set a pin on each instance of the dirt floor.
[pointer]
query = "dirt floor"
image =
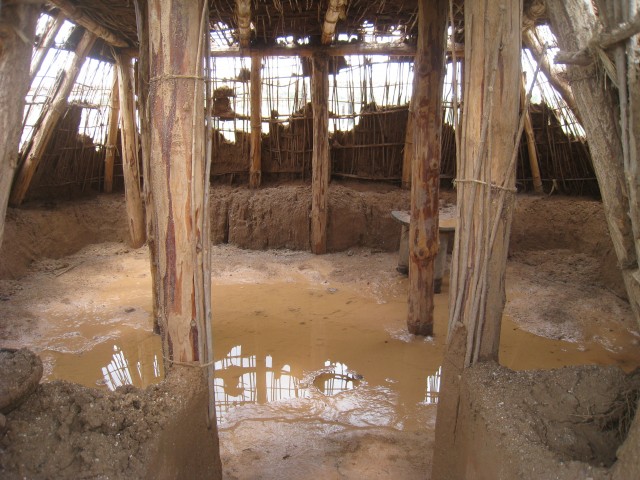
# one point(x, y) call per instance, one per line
point(316, 373)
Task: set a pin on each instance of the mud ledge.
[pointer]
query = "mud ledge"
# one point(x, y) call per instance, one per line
point(563, 424)
point(65, 430)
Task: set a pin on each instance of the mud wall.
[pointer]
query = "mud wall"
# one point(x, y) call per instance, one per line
point(562, 424)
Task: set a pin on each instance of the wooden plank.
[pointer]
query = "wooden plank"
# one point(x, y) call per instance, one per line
point(45, 44)
point(15, 54)
point(402, 50)
point(112, 134)
point(320, 167)
point(531, 142)
point(429, 72)
point(335, 10)
point(129, 152)
point(77, 15)
point(177, 177)
point(255, 168)
point(49, 121)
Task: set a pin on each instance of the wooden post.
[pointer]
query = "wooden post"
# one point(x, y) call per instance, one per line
point(486, 195)
point(49, 121)
point(320, 159)
point(243, 14)
point(255, 169)
point(531, 43)
point(574, 23)
point(531, 141)
point(407, 158)
point(112, 134)
point(17, 31)
point(45, 44)
point(177, 162)
point(335, 10)
point(429, 72)
point(130, 164)
point(142, 21)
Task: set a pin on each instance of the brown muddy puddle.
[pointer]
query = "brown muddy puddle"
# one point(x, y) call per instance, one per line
point(294, 348)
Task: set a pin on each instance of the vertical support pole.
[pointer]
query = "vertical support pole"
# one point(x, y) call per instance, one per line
point(112, 134)
point(407, 158)
point(49, 121)
point(255, 169)
point(130, 163)
point(320, 158)
point(44, 46)
point(142, 21)
point(531, 142)
point(178, 166)
point(18, 27)
point(486, 195)
point(429, 74)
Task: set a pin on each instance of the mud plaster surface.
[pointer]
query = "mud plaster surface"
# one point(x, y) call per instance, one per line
point(562, 287)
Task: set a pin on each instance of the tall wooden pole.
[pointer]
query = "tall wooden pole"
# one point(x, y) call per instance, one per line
point(142, 21)
point(531, 142)
point(45, 44)
point(17, 30)
point(320, 167)
point(486, 195)
point(49, 121)
point(130, 164)
point(112, 134)
point(178, 165)
point(255, 169)
point(429, 74)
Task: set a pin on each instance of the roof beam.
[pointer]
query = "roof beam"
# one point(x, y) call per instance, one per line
point(78, 16)
point(243, 13)
point(335, 11)
point(401, 50)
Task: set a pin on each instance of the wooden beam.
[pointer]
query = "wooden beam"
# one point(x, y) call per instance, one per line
point(18, 27)
point(320, 166)
point(255, 169)
point(177, 32)
point(531, 43)
point(45, 44)
point(112, 134)
point(328, 50)
point(486, 197)
point(77, 15)
point(243, 15)
point(531, 141)
point(142, 22)
point(335, 11)
point(429, 72)
point(129, 152)
point(49, 121)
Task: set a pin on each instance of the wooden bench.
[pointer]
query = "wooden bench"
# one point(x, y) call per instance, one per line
point(446, 231)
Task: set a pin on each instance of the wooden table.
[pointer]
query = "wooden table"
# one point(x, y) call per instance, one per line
point(446, 231)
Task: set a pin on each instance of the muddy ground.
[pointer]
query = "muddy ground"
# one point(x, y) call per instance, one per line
point(565, 301)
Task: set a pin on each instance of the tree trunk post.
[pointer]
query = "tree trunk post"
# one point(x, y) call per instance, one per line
point(429, 74)
point(45, 45)
point(17, 31)
point(142, 21)
point(255, 170)
point(50, 119)
point(486, 195)
point(320, 160)
point(531, 142)
point(130, 163)
point(112, 134)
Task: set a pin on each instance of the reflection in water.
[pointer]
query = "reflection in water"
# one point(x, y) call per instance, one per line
point(337, 379)
point(433, 387)
point(118, 373)
point(240, 380)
